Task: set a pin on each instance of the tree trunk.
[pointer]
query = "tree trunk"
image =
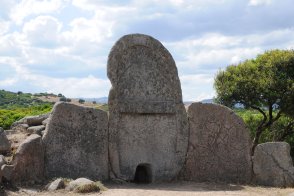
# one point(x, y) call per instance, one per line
point(256, 139)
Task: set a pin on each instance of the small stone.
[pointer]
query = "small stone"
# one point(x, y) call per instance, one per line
point(78, 182)
point(36, 129)
point(56, 184)
point(20, 127)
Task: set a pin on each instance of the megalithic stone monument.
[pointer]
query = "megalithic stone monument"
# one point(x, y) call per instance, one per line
point(148, 125)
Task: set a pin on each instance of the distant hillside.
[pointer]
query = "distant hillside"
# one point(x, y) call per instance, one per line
point(207, 101)
point(98, 100)
point(14, 106)
point(11, 100)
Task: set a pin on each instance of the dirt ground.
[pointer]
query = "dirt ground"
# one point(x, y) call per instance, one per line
point(171, 189)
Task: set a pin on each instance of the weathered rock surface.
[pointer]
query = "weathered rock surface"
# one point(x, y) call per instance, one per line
point(56, 184)
point(4, 142)
point(219, 146)
point(2, 161)
point(76, 142)
point(31, 120)
point(36, 120)
point(78, 182)
point(148, 124)
point(45, 122)
point(28, 161)
point(36, 129)
point(7, 171)
point(20, 127)
point(272, 164)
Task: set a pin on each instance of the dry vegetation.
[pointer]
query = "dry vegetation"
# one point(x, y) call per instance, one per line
point(170, 189)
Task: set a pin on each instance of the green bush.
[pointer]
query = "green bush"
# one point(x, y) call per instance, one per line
point(81, 101)
point(62, 99)
point(252, 119)
point(9, 116)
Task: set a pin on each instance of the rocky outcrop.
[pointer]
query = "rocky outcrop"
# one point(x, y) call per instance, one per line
point(28, 162)
point(31, 120)
point(272, 164)
point(76, 142)
point(36, 120)
point(148, 125)
point(4, 142)
point(219, 146)
point(25, 124)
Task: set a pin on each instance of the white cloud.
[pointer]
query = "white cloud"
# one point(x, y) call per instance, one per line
point(91, 30)
point(53, 43)
point(8, 82)
point(87, 87)
point(34, 7)
point(215, 51)
point(43, 31)
point(259, 2)
point(196, 87)
point(4, 26)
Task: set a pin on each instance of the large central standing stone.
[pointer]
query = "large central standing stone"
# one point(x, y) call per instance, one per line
point(148, 126)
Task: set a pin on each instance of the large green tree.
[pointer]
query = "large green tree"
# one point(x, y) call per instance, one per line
point(265, 84)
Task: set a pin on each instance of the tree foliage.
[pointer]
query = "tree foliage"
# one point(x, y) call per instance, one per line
point(264, 84)
point(81, 101)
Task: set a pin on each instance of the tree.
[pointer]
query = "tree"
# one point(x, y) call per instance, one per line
point(62, 99)
point(265, 84)
point(81, 101)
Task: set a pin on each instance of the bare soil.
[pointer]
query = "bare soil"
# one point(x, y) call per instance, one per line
point(172, 189)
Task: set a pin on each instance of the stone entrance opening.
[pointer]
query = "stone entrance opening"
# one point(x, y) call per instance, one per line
point(143, 174)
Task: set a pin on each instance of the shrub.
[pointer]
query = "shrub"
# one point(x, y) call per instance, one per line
point(62, 99)
point(81, 101)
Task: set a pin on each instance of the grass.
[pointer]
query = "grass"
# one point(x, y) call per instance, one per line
point(93, 187)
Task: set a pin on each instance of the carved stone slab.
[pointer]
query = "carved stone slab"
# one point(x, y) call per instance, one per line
point(147, 120)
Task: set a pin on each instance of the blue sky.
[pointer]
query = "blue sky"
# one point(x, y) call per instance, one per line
point(61, 46)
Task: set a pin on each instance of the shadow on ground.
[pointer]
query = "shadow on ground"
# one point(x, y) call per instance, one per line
point(177, 186)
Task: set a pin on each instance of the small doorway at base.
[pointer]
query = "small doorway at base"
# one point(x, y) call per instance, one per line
point(143, 174)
